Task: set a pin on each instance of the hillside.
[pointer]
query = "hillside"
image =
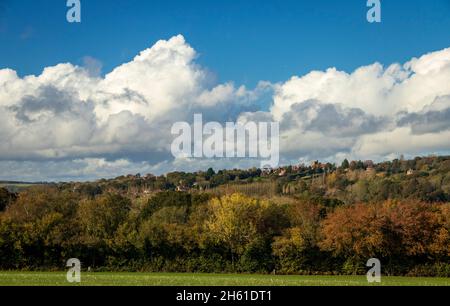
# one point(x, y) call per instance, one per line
point(423, 178)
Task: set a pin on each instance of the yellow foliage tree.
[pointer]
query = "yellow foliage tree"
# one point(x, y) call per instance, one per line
point(235, 221)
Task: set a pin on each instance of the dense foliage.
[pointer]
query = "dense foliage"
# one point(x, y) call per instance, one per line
point(306, 220)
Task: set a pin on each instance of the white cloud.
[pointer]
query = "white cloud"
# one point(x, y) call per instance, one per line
point(333, 114)
point(401, 140)
point(69, 112)
point(71, 122)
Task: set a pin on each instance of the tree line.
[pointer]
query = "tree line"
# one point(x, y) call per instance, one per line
point(42, 227)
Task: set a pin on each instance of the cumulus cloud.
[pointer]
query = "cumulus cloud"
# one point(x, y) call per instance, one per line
point(71, 122)
point(72, 112)
point(374, 89)
point(373, 112)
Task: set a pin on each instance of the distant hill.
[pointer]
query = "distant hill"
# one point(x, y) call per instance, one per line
point(15, 186)
point(423, 178)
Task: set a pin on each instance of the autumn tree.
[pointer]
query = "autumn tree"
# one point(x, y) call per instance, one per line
point(101, 216)
point(37, 228)
point(441, 243)
point(234, 221)
point(99, 219)
point(298, 243)
point(355, 231)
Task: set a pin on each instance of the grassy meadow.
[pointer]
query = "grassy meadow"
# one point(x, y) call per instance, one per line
point(175, 279)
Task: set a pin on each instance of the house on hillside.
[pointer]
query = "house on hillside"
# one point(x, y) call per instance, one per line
point(182, 189)
point(266, 171)
point(369, 164)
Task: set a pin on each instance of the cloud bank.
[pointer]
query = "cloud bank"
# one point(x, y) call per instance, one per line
point(71, 123)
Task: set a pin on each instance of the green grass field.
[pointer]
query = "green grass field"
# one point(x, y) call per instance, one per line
point(175, 279)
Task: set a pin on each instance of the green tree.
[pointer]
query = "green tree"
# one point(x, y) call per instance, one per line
point(210, 173)
point(345, 164)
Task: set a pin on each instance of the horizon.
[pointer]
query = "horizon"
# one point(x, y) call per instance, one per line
point(337, 165)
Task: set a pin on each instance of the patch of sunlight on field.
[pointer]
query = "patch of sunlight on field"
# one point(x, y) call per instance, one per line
point(177, 279)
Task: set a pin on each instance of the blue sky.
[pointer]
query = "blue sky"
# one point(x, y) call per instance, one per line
point(242, 41)
point(339, 86)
